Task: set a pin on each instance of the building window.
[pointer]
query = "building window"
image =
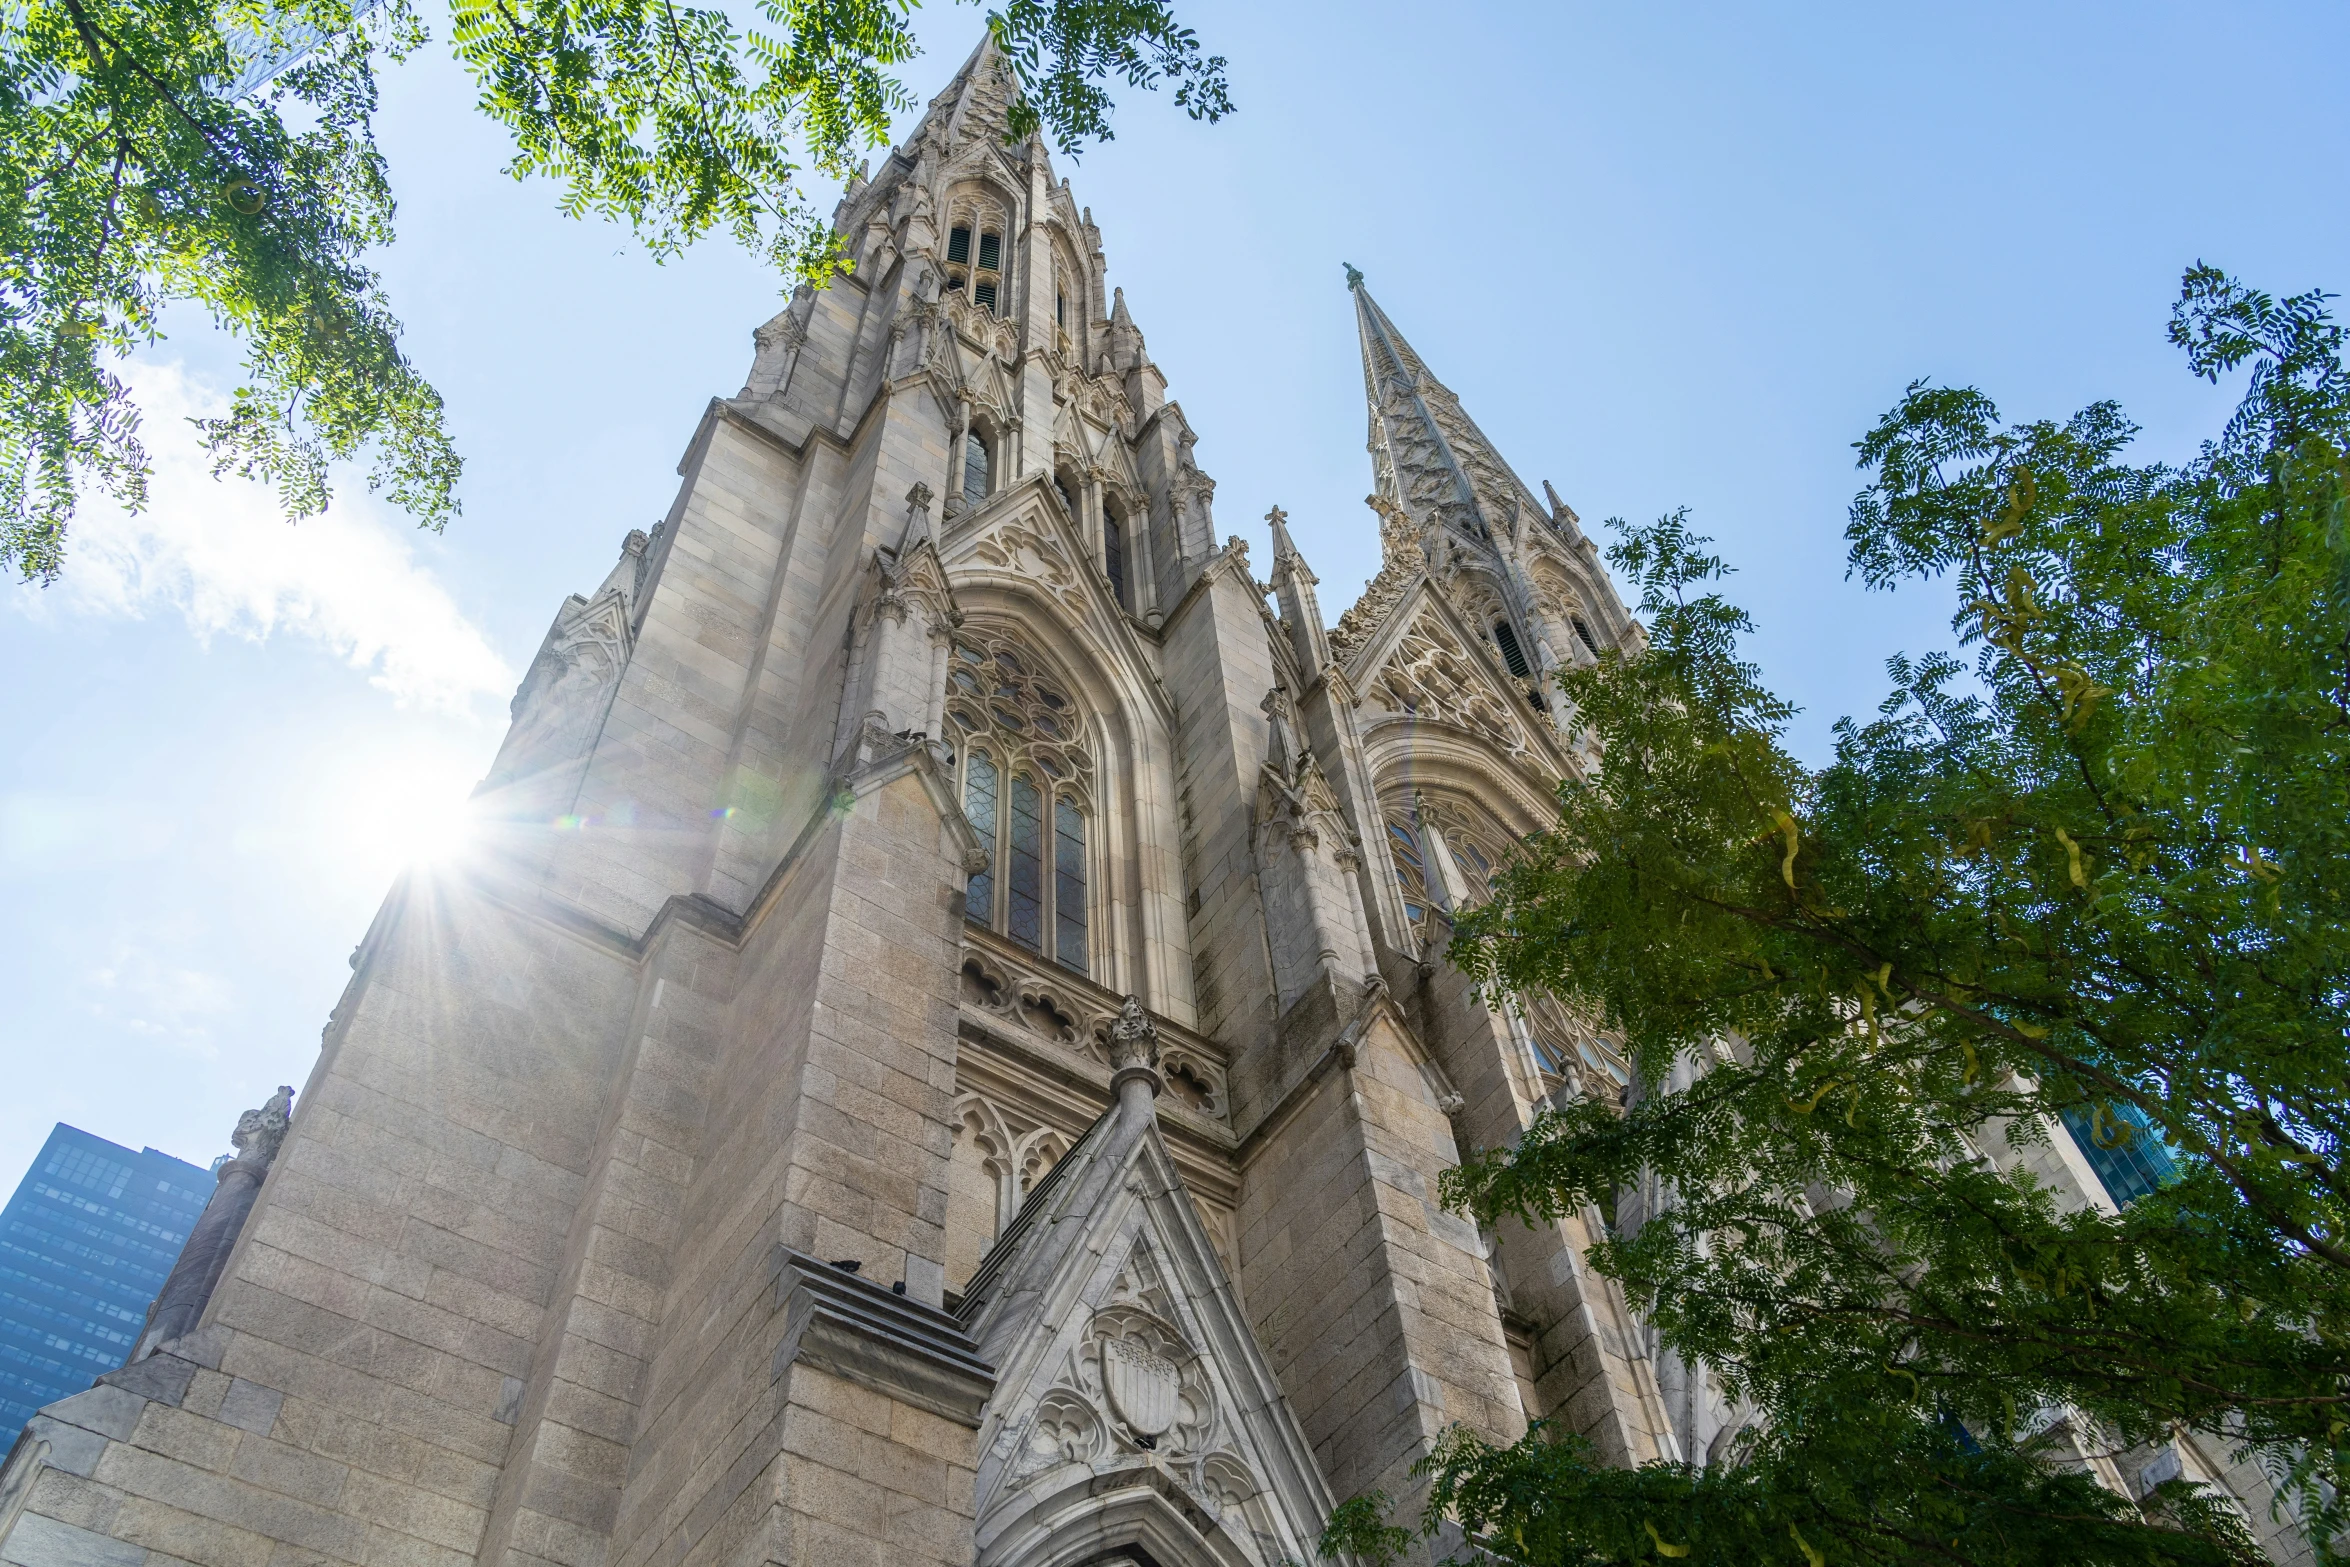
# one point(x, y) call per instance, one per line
point(1584, 632)
point(959, 246)
point(1445, 853)
point(2125, 1150)
point(1114, 556)
point(984, 294)
point(1068, 498)
point(1027, 777)
point(1411, 873)
point(991, 249)
point(974, 467)
point(1474, 864)
point(1069, 884)
point(979, 800)
point(1511, 654)
point(1024, 912)
point(1060, 309)
point(1571, 1052)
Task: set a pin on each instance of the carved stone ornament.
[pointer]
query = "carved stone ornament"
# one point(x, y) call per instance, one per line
point(1431, 676)
point(1145, 1387)
point(260, 1132)
point(1132, 1038)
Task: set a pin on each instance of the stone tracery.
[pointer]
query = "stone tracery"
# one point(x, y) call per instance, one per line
point(1027, 788)
point(1431, 676)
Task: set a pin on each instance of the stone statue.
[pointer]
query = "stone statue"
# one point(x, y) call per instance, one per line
point(260, 1132)
point(180, 1304)
point(1133, 1038)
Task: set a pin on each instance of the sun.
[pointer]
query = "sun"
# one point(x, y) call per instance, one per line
point(404, 809)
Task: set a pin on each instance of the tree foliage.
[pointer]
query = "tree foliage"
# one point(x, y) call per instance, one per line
point(221, 154)
point(2102, 872)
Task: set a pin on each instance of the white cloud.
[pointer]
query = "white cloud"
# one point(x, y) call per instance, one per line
point(150, 995)
point(219, 553)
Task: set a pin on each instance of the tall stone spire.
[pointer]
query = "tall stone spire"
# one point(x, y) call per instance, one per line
point(1293, 584)
point(1427, 456)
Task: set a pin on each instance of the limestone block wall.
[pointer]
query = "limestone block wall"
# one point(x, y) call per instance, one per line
point(659, 765)
point(578, 1414)
point(1373, 1304)
point(352, 1394)
point(1588, 1369)
point(1219, 668)
point(832, 1135)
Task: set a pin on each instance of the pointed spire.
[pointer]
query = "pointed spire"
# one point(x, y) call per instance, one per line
point(1284, 547)
point(1293, 586)
point(1428, 456)
point(1125, 338)
point(978, 98)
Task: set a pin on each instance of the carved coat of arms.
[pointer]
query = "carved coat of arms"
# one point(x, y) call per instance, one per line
point(1143, 1386)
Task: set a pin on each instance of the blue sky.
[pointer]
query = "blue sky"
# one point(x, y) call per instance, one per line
point(1667, 255)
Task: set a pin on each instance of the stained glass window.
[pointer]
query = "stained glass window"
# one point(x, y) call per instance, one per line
point(1026, 785)
point(974, 468)
point(1474, 864)
point(1411, 871)
point(979, 801)
point(1068, 885)
point(1024, 878)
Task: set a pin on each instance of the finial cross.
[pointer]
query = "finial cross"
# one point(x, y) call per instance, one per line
point(1276, 516)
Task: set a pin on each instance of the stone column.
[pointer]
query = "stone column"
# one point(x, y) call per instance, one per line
point(205, 1256)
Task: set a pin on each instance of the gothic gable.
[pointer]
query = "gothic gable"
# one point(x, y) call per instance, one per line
point(1423, 666)
point(1133, 1404)
point(1020, 541)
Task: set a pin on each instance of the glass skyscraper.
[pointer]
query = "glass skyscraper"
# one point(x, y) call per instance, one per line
point(2127, 1152)
point(85, 1244)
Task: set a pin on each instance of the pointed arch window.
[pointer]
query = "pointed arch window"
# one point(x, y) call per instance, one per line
point(1446, 853)
point(1506, 637)
point(1114, 555)
point(1411, 872)
point(1570, 1053)
point(975, 467)
point(1024, 907)
point(1474, 864)
point(1027, 781)
point(979, 805)
point(986, 280)
point(1069, 884)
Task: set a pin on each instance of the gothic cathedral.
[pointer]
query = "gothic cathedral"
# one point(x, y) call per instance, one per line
point(946, 1055)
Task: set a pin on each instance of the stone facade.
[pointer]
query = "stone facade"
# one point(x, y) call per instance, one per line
point(945, 1055)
